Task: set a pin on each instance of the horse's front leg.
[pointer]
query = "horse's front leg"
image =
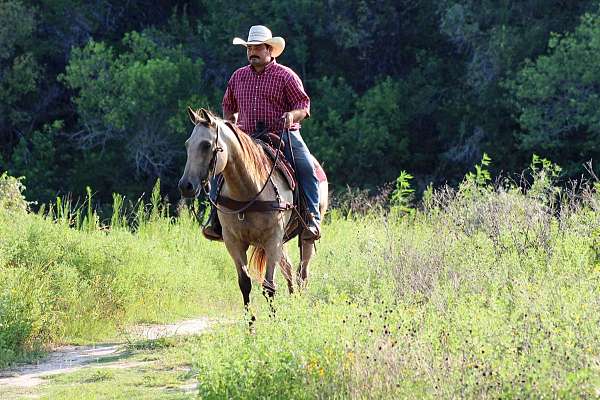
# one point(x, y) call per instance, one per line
point(238, 250)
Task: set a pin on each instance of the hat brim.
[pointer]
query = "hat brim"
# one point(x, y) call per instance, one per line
point(277, 43)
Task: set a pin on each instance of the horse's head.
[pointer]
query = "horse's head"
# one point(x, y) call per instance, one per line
point(203, 153)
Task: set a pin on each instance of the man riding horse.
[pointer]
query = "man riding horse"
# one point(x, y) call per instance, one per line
point(265, 95)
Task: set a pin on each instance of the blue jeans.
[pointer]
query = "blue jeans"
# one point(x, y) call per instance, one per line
point(305, 172)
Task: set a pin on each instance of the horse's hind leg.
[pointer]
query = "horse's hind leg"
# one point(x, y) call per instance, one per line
point(286, 270)
point(273, 256)
point(306, 252)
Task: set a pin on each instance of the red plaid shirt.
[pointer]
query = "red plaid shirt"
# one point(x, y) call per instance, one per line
point(265, 97)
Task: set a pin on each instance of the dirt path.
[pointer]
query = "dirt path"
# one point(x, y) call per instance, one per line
point(71, 358)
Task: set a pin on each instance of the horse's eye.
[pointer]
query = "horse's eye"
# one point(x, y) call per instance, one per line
point(205, 146)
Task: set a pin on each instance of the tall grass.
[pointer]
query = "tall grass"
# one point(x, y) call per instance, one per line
point(488, 290)
point(67, 277)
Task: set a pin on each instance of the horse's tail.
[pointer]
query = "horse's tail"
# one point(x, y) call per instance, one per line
point(258, 264)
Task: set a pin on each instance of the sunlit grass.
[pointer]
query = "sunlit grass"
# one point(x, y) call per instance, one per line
point(485, 292)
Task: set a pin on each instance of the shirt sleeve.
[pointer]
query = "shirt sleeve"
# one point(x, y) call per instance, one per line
point(229, 103)
point(295, 94)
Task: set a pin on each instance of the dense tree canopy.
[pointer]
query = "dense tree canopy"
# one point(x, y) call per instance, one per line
point(94, 93)
point(558, 97)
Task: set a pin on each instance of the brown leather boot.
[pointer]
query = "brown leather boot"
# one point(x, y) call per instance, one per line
point(213, 231)
point(313, 232)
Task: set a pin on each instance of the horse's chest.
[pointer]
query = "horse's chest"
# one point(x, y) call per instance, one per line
point(254, 228)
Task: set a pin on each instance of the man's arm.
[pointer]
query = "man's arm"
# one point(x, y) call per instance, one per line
point(293, 116)
point(229, 103)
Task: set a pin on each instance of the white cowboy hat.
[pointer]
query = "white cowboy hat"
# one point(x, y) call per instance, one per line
point(261, 34)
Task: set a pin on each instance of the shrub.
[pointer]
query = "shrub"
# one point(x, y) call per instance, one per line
point(11, 193)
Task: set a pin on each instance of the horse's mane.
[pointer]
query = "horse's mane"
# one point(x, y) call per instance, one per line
point(252, 154)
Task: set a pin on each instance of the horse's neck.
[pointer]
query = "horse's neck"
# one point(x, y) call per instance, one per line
point(240, 183)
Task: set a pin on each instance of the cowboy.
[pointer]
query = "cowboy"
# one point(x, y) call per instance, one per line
point(267, 95)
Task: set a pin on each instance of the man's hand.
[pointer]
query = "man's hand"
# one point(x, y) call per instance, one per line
point(290, 117)
point(288, 120)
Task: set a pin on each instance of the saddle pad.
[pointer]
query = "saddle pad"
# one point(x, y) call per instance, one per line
point(319, 171)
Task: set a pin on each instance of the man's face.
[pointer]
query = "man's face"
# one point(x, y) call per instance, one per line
point(258, 54)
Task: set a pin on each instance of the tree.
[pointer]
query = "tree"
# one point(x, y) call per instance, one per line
point(132, 102)
point(20, 72)
point(558, 98)
point(493, 38)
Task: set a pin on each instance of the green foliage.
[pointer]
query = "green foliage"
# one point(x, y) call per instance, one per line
point(17, 24)
point(424, 86)
point(403, 193)
point(366, 138)
point(35, 157)
point(135, 99)
point(378, 130)
point(556, 97)
point(479, 181)
point(485, 293)
point(11, 193)
point(492, 40)
point(61, 284)
point(544, 173)
point(20, 73)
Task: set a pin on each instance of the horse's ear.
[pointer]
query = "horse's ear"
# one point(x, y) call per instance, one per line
point(207, 116)
point(194, 117)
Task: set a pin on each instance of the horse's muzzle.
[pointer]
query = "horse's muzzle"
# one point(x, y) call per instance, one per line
point(187, 189)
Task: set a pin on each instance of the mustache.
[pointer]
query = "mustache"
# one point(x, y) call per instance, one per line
point(251, 57)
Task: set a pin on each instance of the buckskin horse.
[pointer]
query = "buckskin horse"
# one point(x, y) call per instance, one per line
point(218, 147)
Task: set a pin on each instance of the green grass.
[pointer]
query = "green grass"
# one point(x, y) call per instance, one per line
point(483, 293)
point(146, 371)
point(60, 284)
point(424, 308)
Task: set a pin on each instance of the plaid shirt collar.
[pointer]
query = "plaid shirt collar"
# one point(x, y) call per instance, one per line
point(267, 67)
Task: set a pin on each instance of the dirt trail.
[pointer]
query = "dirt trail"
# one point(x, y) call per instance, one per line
point(71, 358)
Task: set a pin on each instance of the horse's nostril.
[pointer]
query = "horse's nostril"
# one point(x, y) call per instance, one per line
point(185, 186)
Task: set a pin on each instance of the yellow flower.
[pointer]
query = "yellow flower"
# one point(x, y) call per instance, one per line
point(350, 355)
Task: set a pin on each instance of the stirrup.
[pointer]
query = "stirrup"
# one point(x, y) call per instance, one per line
point(211, 234)
point(213, 230)
point(311, 233)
